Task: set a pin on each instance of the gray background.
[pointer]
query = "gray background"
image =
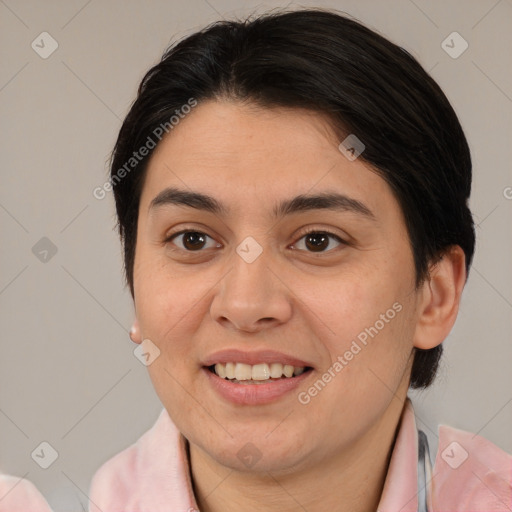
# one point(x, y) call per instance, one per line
point(68, 375)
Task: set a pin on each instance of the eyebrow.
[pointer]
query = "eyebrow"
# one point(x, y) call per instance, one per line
point(301, 203)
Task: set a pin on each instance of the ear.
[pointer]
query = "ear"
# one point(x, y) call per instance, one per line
point(135, 334)
point(440, 299)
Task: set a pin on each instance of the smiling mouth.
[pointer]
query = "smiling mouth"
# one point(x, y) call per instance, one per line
point(263, 373)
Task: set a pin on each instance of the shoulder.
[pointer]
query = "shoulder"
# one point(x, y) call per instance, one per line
point(112, 481)
point(139, 474)
point(116, 481)
point(20, 495)
point(470, 473)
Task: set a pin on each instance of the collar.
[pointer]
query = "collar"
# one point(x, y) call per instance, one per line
point(167, 476)
point(400, 491)
point(470, 473)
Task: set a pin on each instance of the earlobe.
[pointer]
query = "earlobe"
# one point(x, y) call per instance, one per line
point(439, 304)
point(135, 334)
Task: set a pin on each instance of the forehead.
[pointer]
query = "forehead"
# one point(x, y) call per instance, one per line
point(248, 157)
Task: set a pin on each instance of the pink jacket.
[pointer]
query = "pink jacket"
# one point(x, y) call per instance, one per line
point(470, 474)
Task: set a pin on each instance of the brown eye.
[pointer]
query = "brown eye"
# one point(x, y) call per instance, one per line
point(191, 240)
point(318, 241)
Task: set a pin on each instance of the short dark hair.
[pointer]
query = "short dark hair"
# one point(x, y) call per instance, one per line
point(329, 63)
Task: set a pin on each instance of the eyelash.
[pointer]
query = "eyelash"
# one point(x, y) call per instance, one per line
point(301, 236)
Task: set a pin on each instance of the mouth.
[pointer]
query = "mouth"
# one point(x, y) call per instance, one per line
point(261, 373)
point(257, 377)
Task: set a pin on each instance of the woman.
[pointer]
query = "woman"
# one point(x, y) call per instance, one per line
point(292, 196)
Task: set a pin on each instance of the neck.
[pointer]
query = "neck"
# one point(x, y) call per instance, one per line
point(350, 480)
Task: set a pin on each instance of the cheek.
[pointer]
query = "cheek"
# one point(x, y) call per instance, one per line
point(161, 294)
point(164, 305)
point(364, 322)
point(347, 304)
point(168, 310)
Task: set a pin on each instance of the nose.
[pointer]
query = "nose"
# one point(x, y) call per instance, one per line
point(252, 297)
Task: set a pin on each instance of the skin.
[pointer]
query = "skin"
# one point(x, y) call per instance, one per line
point(332, 453)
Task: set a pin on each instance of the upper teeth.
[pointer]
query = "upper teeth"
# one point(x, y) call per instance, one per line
point(263, 371)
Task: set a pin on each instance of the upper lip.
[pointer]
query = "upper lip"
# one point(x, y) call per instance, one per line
point(252, 358)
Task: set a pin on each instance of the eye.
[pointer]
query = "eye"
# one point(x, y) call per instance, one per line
point(318, 240)
point(193, 241)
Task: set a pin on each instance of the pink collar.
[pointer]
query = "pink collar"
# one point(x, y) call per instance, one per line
point(400, 491)
point(153, 475)
point(470, 473)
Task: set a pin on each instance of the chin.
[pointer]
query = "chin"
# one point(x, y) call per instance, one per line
point(253, 452)
point(250, 459)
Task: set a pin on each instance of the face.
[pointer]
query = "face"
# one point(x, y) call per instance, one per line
point(245, 283)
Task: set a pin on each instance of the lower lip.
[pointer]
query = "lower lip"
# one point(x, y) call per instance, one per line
point(254, 394)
